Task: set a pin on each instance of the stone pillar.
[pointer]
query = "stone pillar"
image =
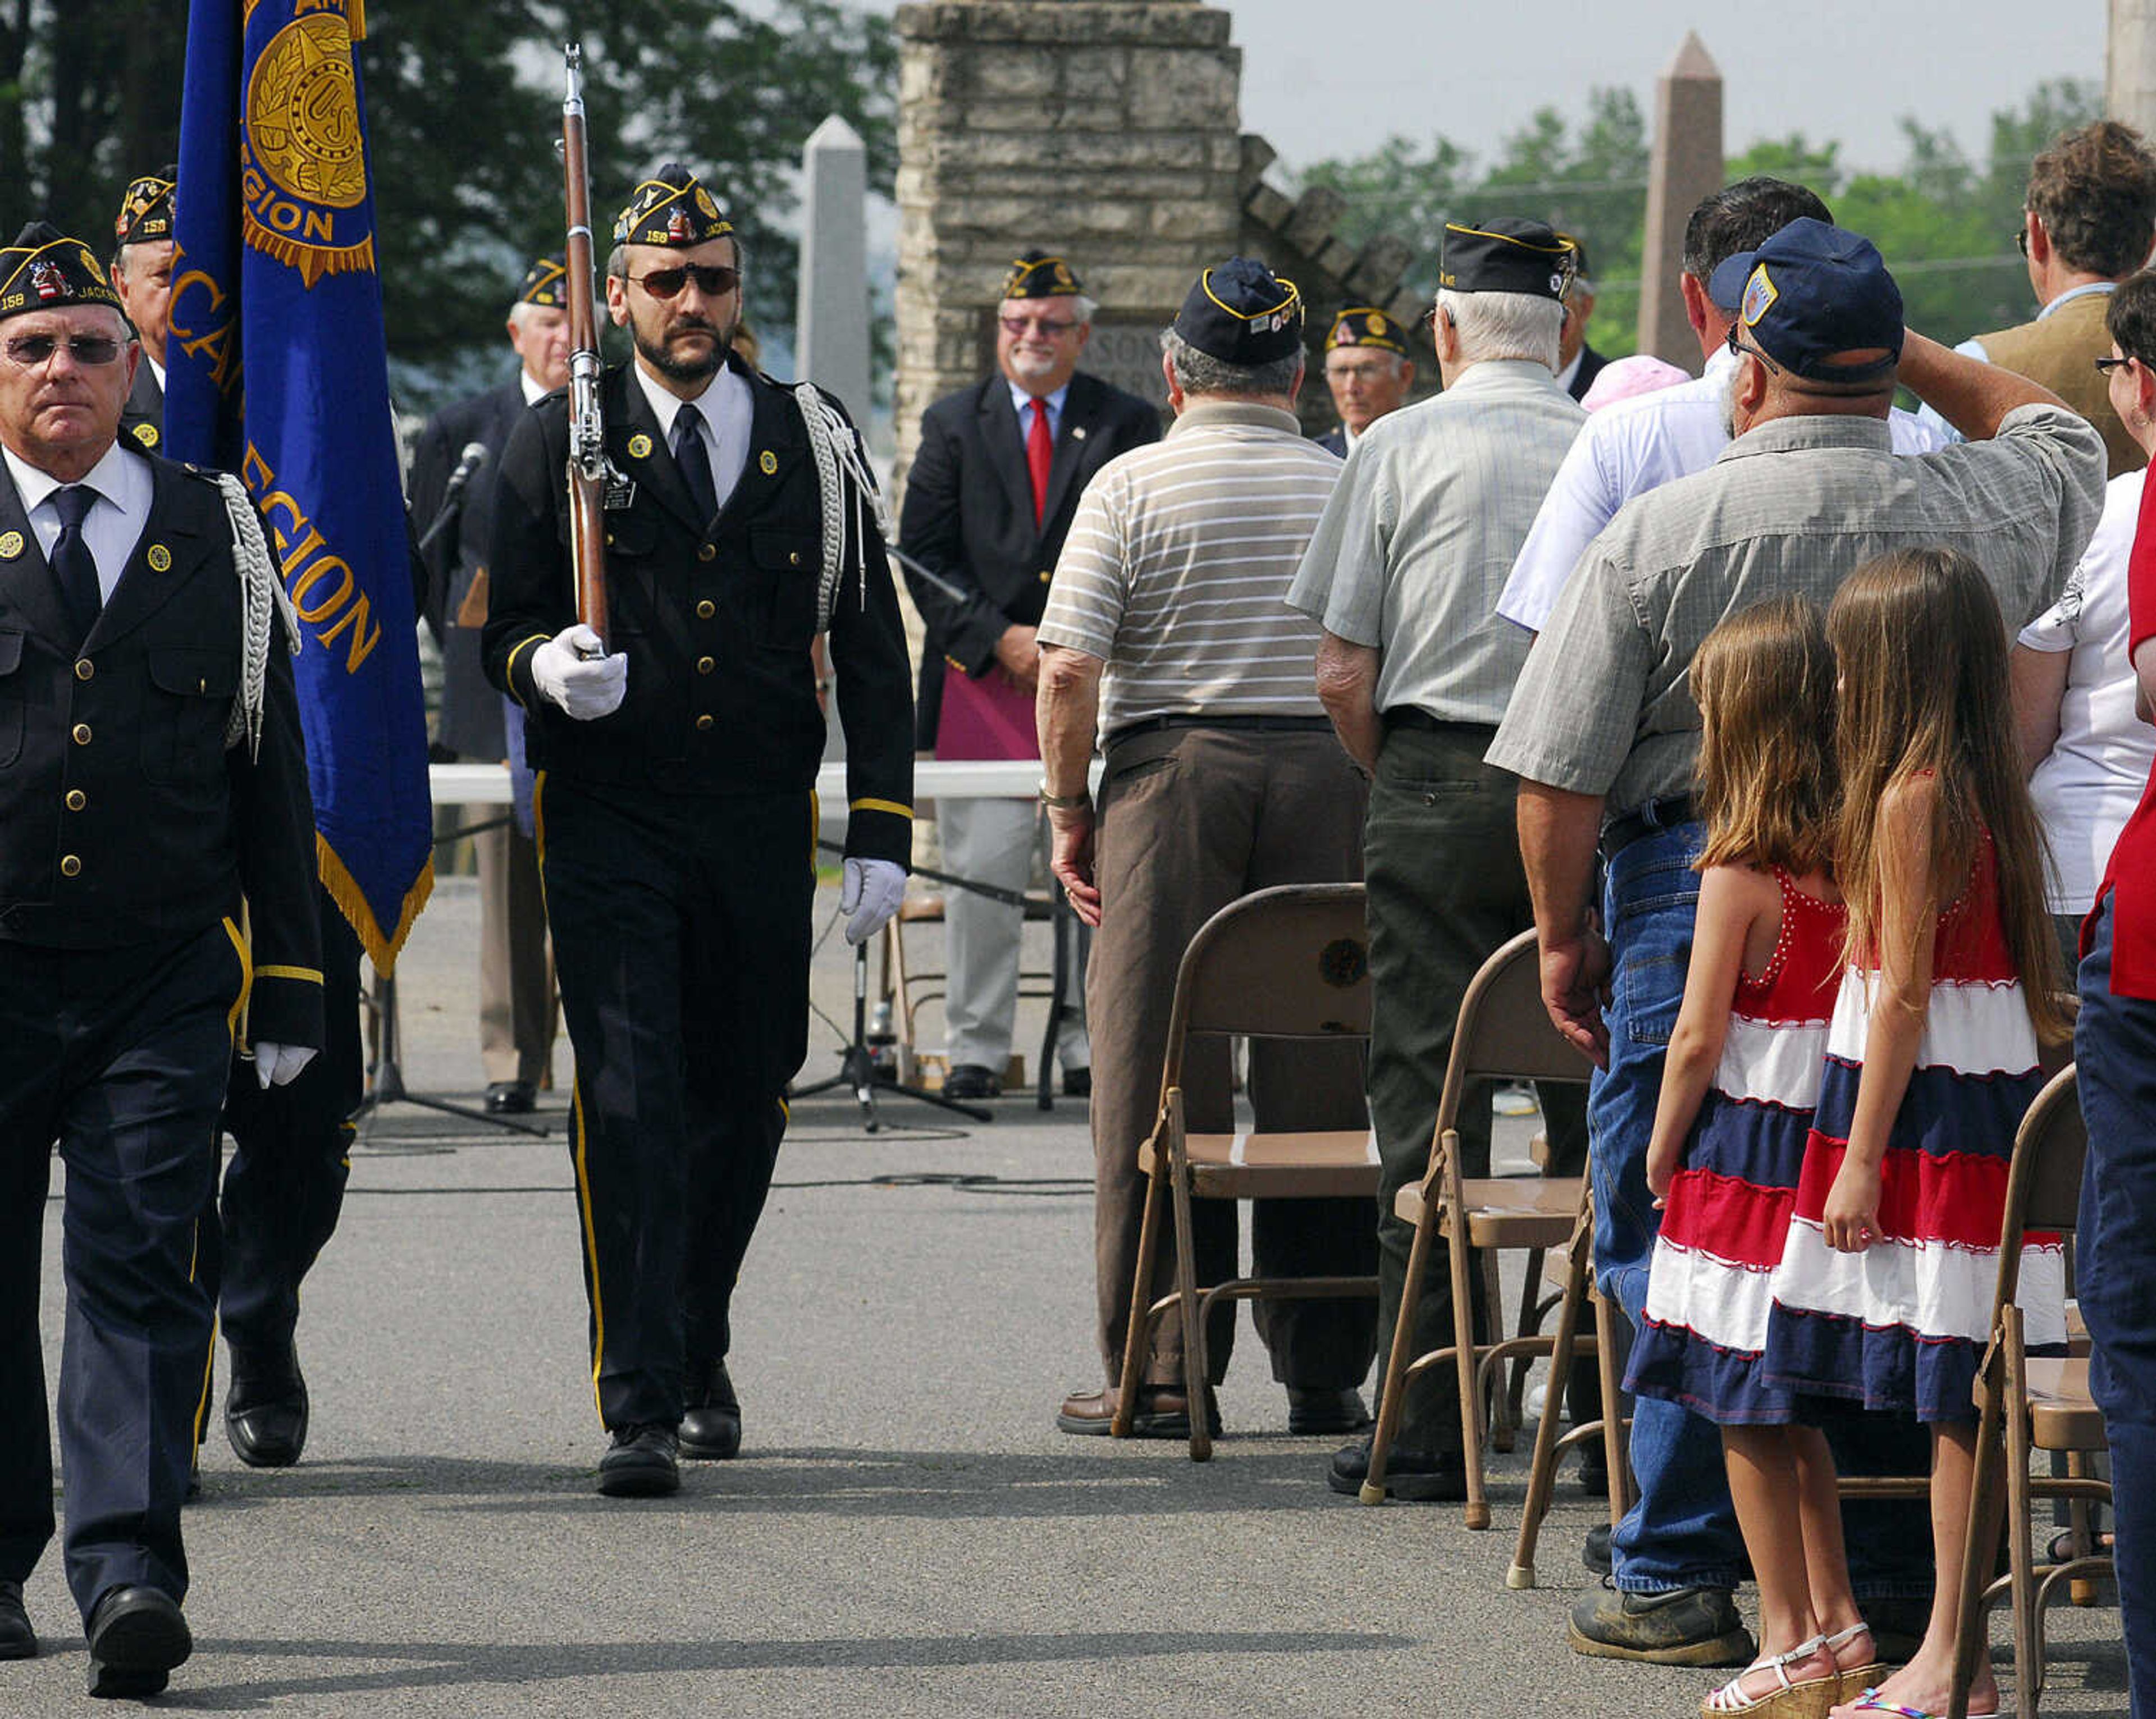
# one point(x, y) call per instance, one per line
point(1687, 165)
point(2129, 91)
point(1107, 132)
point(832, 307)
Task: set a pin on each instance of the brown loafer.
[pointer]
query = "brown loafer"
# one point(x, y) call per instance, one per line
point(1163, 1413)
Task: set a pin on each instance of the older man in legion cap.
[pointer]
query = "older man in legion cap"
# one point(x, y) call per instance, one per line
point(1415, 667)
point(142, 255)
point(157, 782)
point(989, 500)
point(1166, 634)
point(455, 469)
point(1367, 369)
point(675, 805)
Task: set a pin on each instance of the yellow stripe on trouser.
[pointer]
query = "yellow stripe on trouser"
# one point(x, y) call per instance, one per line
point(246, 980)
point(577, 1123)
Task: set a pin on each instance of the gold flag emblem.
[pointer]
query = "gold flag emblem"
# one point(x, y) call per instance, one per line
point(304, 178)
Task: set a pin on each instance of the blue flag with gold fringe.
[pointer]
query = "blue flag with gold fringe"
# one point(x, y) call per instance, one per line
point(277, 370)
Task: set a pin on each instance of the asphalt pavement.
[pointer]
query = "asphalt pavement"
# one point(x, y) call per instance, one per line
point(906, 1532)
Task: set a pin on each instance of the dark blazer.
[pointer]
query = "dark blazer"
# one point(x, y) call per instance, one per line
point(1590, 366)
point(969, 514)
point(142, 418)
point(471, 721)
point(1334, 440)
point(113, 757)
point(716, 617)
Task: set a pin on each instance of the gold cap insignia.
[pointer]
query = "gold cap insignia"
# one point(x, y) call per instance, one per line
point(11, 545)
point(145, 433)
point(160, 558)
point(768, 461)
point(640, 446)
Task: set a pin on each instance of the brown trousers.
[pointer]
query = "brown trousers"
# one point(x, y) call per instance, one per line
point(1190, 819)
point(517, 1018)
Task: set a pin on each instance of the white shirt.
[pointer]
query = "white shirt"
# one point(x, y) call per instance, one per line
point(726, 408)
point(1564, 377)
point(1625, 449)
point(115, 521)
point(533, 389)
point(2090, 782)
point(1020, 400)
point(156, 370)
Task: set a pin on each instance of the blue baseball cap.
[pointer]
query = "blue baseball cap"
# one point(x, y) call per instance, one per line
point(1811, 292)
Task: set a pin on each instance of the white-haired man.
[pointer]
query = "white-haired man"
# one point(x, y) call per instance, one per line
point(1415, 670)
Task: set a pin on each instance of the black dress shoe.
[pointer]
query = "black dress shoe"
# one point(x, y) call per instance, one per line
point(711, 1419)
point(265, 1414)
point(510, 1098)
point(969, 1080)
point(17, 1639)
point(137, 1636)
point(640, 1463)
point(1319, 1411)
point(1413, 1476)
point(1077, 1083)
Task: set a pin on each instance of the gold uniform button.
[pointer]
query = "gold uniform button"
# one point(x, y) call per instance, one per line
point(706, 609)
point(69, 866)
point(84, 668)
point(76, 799)
point(705, 664)
point(81, 734)
point(794, 559)
point(707, 551)
point(703, 722)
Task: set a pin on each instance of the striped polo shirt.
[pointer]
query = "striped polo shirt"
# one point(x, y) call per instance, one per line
point(1176, 566)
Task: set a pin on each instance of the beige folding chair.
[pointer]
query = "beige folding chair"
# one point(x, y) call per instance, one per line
point(2025, 1405)
point(1504, 1034)
point(1292, 963)
point(1579, 1291)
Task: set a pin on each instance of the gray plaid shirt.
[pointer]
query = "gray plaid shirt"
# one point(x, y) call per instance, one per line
point(1796, 504)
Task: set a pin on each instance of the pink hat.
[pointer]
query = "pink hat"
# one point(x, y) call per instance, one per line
point(1622, 378)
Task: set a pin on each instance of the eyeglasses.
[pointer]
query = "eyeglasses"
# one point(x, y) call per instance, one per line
point(1017, 327)
point(2107, 365)
point(1742, 351)
point(667, 283)
point(2021, 240)
point(27, 352)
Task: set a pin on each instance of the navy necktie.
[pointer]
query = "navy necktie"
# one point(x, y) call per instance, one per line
point(73, 564)
point(694, 462)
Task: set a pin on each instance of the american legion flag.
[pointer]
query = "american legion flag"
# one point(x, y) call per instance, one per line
point(277, 372)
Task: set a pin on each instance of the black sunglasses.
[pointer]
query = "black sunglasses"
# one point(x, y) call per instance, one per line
point(29, 350)
point(2107, 365)
point(667, 283)
point(1742, 351)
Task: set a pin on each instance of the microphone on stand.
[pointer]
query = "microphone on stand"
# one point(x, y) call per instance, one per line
point(474, 455)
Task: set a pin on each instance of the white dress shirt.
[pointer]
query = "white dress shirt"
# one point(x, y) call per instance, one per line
point(726, 408)
point(115, 521)
point(1625, 449)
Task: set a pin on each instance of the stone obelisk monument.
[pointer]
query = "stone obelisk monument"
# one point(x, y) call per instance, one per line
point(1686, 165)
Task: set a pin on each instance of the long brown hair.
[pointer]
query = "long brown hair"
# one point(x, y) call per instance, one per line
point(1763, 680)
point(1922, 649)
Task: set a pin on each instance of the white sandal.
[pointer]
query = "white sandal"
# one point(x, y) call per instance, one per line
point(1789, 1698)
point(1855, 1680)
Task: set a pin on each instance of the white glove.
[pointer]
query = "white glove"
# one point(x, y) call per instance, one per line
point(585, 686)
point(279, 1064)
point(871, 894)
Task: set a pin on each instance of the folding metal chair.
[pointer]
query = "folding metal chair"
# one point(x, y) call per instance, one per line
point(1292, 963)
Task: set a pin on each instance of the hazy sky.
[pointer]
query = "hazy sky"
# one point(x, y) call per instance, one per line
point(1338, 80)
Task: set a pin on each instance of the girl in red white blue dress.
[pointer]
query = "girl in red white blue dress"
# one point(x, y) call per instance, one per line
point(1736, 1106)
point(1882, 1297)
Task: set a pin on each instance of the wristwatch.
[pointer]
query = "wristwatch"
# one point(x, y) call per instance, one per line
point(1064, 802)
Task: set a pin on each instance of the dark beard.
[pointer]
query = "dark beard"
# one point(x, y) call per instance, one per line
point(662, 359)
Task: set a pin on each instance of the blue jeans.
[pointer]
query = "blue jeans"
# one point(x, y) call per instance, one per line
point(1682, 1532)
point(2115, 1272)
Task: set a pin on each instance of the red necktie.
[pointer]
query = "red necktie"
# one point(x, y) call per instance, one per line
point(1039, 454)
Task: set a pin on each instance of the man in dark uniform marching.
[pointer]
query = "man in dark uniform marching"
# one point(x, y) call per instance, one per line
point(151, 774)
point(283, 1190)
point(676, 805)
point(516, 1008)
point(988, 502)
